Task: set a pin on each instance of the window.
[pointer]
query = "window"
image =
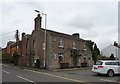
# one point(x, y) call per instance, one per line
point(54, 56)
point(107, 63)
point(119, 63)
point(99, 63)
point(61, 57)
point(27, 43)
point(17, 47)
point(74, 45)
point(111, 63)
point(61, 42)
point(84, 58)
point(114, 63)
point(34, 43)
point(84, 45)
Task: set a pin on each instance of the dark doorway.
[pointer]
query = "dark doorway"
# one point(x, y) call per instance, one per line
point(37, 64)
point(74, 60)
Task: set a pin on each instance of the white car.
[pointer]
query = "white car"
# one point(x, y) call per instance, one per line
point(108, 67)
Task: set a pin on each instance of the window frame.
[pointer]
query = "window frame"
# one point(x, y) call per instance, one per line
point(61, 42)
point(74, 44)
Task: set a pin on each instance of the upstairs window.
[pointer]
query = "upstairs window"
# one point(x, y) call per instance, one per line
point(33, 43)
point(74, 45)
point(61, 42)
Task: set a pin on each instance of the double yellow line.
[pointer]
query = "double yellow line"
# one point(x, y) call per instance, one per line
point(74, 80)
point(54, 75)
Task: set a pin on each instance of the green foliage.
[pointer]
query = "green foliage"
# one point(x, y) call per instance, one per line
point(100, 57)
point(90, 45)
point(6, 56)
point(15, 58)
point(94, 50)
point(112, 57)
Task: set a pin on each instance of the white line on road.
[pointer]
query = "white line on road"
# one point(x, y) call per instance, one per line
point(24, 78)
point(108, 80)
point(6, 71)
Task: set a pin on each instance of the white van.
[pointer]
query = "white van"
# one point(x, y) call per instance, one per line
point(108, 67)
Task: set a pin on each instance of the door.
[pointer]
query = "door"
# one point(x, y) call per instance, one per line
point(75, 61)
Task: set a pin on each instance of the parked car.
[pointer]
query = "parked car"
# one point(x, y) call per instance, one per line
point(108, 67)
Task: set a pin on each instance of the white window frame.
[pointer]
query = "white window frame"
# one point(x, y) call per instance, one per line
point(61, 42)
point(74, 45)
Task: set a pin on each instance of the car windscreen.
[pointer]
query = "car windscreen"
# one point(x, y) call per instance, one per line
point(98, 63)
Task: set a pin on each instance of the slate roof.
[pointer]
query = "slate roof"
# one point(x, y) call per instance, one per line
point(63, 35)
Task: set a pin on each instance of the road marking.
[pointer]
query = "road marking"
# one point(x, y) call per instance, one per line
point(24, 78)
point(6, 71)
point(47, 74)
point(108, 80)
point(10, 66)
point(54, 75)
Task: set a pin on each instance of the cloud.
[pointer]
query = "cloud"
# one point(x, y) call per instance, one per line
point(81, 21)
point(95, 21)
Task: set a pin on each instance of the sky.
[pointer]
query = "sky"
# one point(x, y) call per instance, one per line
point(96, 21)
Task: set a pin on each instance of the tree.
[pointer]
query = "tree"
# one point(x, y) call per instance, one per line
point(15, 58)
point(100, 57)
point(94, 50)
point(112, 57)
point(6, 57)
point(90, 45)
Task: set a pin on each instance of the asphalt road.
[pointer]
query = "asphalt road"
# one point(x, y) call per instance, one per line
point(15, 74)
point(11, 74)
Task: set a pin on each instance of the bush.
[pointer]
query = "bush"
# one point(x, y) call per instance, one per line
point(5, 56)
point(15, 58)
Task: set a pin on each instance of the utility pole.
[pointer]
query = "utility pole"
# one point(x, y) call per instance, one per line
point(44, 44)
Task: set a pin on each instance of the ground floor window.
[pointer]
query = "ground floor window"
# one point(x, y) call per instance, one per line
point(61, 57)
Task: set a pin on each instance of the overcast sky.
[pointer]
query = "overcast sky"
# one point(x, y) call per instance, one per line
point(96, 21)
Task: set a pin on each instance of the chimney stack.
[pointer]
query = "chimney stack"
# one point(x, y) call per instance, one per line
point(76, 35)
point(38, 21)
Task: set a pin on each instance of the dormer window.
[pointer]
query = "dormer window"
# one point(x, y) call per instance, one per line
point(61, 42)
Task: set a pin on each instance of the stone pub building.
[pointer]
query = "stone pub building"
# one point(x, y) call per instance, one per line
point(61, 50)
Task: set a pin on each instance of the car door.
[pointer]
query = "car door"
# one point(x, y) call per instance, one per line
point(114, 66)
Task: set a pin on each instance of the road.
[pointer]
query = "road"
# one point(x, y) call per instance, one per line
point(15, 74)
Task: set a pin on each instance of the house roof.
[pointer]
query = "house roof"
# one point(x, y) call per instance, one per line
point(0, 48)
point(63, 35)
point(10, 42)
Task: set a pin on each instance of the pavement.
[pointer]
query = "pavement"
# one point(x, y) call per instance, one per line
point(72, 69)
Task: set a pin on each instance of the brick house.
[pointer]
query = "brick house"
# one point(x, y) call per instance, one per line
point(11, 47)
point(20, 47)
point(60, 49)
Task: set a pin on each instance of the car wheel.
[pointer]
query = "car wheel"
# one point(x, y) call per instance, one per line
point(98, 74)
point(110, 73)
